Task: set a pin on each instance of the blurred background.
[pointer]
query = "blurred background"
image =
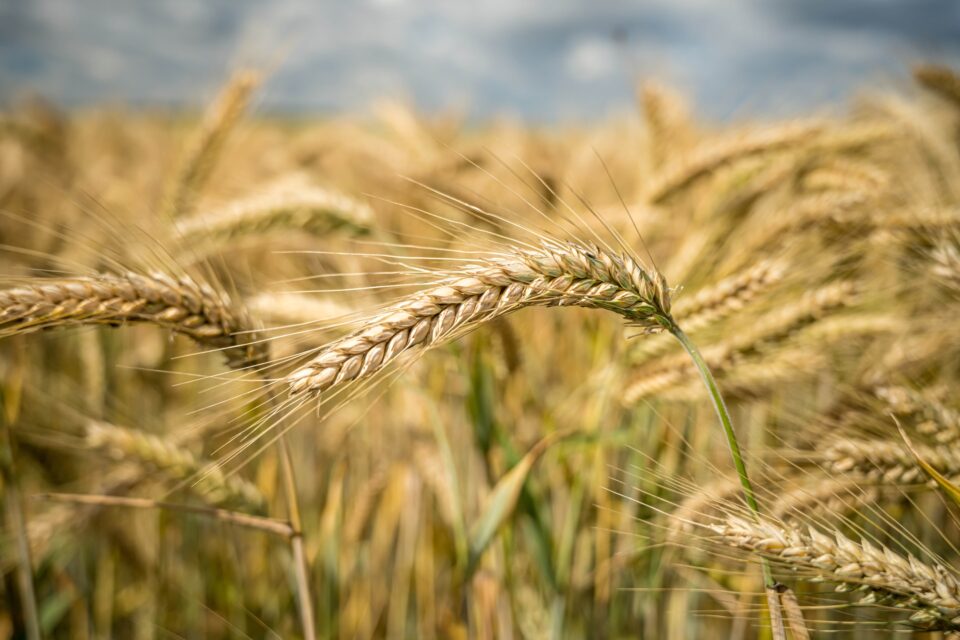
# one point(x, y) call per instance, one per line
point(541, 60)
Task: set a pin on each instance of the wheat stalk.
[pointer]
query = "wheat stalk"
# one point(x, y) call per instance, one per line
point(559, 274)
point(931, 591)
point(182, 305)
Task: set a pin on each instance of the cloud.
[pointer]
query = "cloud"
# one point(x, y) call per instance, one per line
point(539, 59)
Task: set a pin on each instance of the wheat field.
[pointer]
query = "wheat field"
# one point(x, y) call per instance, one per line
point(273, 377)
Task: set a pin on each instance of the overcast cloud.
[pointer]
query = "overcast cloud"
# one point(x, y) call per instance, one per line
point(541, 59)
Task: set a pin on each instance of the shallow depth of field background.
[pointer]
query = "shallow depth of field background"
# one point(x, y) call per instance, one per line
point(805, 154)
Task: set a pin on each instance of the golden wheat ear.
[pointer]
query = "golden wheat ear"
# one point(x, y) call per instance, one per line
point(182, 305)
point(559, 274)
point(930, 591)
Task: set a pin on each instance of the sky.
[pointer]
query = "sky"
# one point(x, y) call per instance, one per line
point(539, 60)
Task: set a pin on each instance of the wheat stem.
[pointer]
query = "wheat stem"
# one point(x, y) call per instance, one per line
point(305, 601)
point(724, 416)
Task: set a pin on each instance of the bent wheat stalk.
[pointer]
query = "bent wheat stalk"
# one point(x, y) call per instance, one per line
point(557, 274)
point(182, 305)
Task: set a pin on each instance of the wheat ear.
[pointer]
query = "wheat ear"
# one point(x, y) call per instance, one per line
point(931, 591)
point(946, 265)
point(932, 418)
point(179, 463)
point(218, 122)
point(287, 307)
point(287, 207)
point(774, 327)
point(708, 157)
point(943, 81)
point(888, 461)
point(182, 305)
point(558, 274)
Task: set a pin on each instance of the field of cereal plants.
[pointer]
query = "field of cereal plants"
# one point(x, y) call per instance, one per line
point(275, 378)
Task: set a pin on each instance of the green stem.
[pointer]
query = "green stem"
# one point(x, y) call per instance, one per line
point(721, 408)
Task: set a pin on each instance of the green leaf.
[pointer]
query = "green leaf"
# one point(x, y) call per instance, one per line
point(503, 500)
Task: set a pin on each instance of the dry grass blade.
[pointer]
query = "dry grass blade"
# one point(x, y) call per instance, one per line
point(950, 488)
point(182, 305)
point(269, 525)
point(502, 501)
